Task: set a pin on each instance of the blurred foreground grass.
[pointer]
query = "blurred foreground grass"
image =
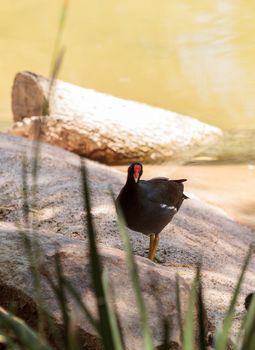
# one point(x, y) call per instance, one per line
point(16, 334)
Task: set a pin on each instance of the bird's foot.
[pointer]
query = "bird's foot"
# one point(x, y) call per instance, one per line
point(156, 259)
point(159, 260)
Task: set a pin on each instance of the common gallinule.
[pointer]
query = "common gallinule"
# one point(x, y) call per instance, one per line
point(148, 206)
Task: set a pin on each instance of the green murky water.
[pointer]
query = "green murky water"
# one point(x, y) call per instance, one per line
point(195, 57)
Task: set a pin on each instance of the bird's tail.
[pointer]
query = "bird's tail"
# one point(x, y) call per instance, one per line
point(181, 180)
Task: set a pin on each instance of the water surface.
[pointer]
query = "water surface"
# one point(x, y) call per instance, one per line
point(195, 57)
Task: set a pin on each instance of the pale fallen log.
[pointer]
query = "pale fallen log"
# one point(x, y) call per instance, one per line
point(103, 127)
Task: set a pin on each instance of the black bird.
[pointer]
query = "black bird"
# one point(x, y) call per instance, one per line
point(148, 206)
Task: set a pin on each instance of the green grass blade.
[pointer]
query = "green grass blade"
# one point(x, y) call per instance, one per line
point(57, 335)
point(61, 297)
point(33, 252)
point(69, 335)
point(32, 248)
point(188, 329)
point(55, 71)
point(113, 320)
point(35, 167)
point(36, 148)
point(178, 305)
point(26, 336)
point(148, 343)
point(25, 204)
point(57, 56)
point(201, 311)
point(82, 306)
point(96, 269)
point(70, 340)
point(222, 334)
point(58, 39)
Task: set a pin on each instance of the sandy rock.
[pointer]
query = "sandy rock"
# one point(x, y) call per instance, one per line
point(199, 232)
point(157, 284)
point(103, 127)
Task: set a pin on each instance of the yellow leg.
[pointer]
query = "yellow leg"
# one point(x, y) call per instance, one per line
point(152, 237)
point(155, 245)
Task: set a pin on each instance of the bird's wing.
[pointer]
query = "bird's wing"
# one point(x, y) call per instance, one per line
point(157, 179)
point(164, 191)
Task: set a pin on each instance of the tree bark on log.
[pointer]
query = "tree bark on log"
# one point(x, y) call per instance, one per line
point(103, 127)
